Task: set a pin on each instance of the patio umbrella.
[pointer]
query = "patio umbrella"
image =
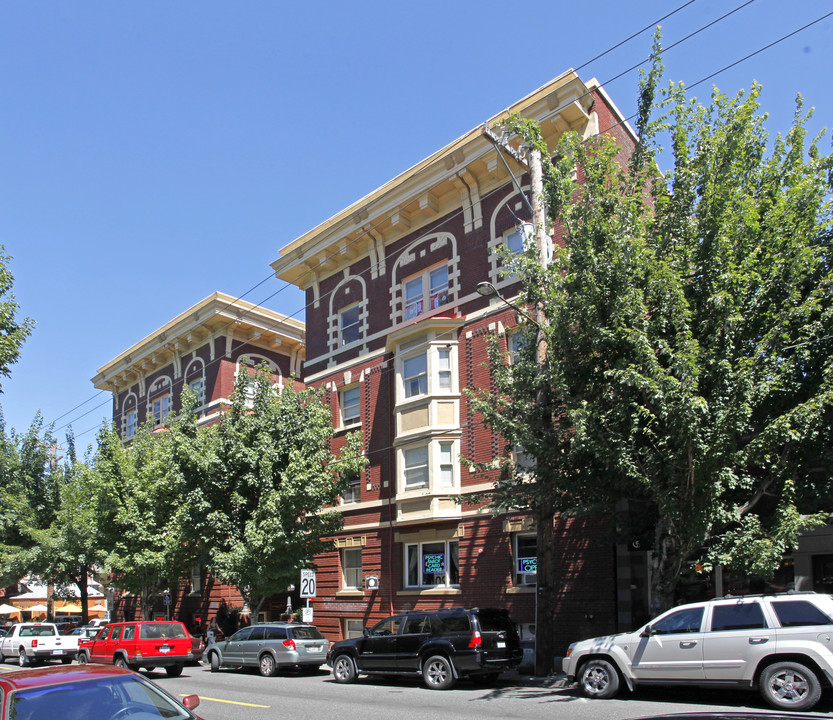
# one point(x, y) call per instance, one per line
point(6, 609)
point(68, 608)
point(40, 607)
point(98, 608)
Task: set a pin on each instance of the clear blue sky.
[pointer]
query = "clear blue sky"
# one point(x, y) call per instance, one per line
point(153, 152)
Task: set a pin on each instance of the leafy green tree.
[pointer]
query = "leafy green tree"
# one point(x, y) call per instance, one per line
point(30, 486)
point(13, 332)
point(690, 353)
point(260, 513)
point(71, 548)
point(141, 513)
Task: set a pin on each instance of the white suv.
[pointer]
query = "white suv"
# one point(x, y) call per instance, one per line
point(782, 644)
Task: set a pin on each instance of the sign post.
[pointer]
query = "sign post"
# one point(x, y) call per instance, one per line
point(308, 588)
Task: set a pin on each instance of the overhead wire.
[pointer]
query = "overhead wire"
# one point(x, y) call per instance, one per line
point(433, 227)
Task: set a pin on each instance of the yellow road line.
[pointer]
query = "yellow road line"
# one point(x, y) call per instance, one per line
point(229, 702)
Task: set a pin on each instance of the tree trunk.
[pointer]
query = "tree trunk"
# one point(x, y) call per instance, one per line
point(545, 592)
point(665, 570)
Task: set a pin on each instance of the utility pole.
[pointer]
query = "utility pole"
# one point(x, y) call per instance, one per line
point(544, 511)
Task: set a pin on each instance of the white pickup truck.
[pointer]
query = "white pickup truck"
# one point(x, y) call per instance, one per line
point(33, 643)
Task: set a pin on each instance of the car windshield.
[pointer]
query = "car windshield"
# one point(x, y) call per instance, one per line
point(101, 698)
point(154, 631)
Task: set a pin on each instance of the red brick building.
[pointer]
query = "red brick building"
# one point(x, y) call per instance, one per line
point(395, 332)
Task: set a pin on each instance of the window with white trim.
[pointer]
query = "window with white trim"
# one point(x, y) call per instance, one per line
point(350, 405)
point(424, 292)
point(518, 238)
point(348, 325)
point(130, 424)
point(416, 466)
point(198, 388)
point(351, 568)
point(160, 408)
point(352, 627)
point(526, 559)
point(353, 491)
point(432, 564)
point(444, 368)
point(446, 464)
point(415, 374)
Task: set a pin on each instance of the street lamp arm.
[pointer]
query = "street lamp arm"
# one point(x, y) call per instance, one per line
point(486, 289)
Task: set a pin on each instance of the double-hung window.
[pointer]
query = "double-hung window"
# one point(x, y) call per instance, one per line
point(351, 564)
point(348, 324)
point(432, 564)
point(161, 408)
point(416, 466)
point(350, 406)
point(130, 424)
point(427, 291)
point(526, 559)
point(415, 375)
point(353, 491)
point(517, 239)
point(198, 388)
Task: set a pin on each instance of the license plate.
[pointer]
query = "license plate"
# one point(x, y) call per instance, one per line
point(164, 649)
point(501, 644)
point(313, 648)
point(57, 652)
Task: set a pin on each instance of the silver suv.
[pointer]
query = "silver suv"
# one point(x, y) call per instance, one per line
point(781, 644)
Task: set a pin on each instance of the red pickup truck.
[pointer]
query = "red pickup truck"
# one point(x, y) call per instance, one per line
point(143, 644)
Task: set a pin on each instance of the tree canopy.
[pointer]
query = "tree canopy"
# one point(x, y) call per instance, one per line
point(690, 352)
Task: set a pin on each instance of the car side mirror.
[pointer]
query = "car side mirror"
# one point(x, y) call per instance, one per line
point(191, 701)
point(648, 632)
point(365, 632)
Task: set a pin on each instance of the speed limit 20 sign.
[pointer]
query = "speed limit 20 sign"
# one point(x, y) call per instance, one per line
point(307, 583)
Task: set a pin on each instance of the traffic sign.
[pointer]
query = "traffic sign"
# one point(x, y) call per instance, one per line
point(308, 583)
point(166, 598)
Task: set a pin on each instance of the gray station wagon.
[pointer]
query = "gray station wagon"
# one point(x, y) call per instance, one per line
point(270, 647)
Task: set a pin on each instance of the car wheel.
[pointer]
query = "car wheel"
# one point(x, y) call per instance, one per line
point(82, 659)
point(789, 685)
point(66, 660)
point(344, 669)
point(120, 662)
point(174, 670)
point(267, 666)
point(599, 679)
point(438, 673)
point(214, 659)
point(22, 660)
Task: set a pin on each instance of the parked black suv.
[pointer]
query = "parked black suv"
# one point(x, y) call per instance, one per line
point(442, 646)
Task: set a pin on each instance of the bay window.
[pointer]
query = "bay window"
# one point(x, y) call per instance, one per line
point(416, 466)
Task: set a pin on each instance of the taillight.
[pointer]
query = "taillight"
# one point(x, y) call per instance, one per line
point(476, 640)
point(289, 644)
point(34, 643)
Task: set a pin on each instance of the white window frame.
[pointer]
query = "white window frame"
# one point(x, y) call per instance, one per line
point(522, 234)
point(353, 492)
point(351, 572)
point(431, 464)
point(415, 384)
point(131, 418)
point(427, 581)
point(431, 371)
point(344, 328)
point(165, 408)
point(416, 464)
point(353, 418)
point(197, 386)
point(522, 578)
point(428, 291)
point(352, 627)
